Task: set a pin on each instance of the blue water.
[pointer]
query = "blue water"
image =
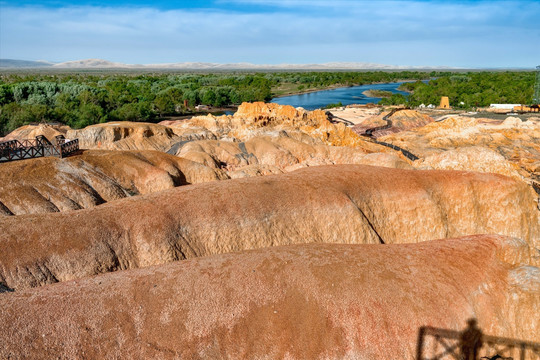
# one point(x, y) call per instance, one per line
point(347, 96)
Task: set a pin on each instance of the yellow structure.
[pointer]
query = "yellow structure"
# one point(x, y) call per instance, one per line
point(525, 108)
point(445, 103)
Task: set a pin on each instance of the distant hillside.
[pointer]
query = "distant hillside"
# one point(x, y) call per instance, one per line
point(93, 63)
point(10, 63)
point(105, 64)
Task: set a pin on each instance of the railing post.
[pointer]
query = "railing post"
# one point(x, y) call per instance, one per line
point(420, 344)
point(38, 147)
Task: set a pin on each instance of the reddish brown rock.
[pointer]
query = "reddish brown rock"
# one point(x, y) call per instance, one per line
point(401, 121)
point(125, 135)
point(31, 131)
point(312, 301)
point(329, 204)
point(274, 138)
point(92, 178)
point(471, 158)
point(516, 140)
point(281, 153)
point(258, 118)
point(251, 121)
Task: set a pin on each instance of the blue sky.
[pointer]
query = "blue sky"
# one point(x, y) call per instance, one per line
point(431, 33)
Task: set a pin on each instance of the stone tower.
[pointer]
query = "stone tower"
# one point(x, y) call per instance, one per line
point(445, 103)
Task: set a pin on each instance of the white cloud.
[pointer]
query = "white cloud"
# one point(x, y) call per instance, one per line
point(393, 32)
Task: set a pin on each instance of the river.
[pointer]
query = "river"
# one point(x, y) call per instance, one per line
point(346, 95)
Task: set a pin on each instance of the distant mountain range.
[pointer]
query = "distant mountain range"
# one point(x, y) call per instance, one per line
point(104, 64)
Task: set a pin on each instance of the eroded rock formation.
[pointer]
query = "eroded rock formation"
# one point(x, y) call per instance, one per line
point(92, 178)
point(250, 120)
point(31, 131)
point(256, 119)
point(314, 301)
point(401, 121)
point(278, 153)
point(124, 136)
point(269, 138)
point(327, 301)
point(471, 158)
point(517, 141)
point(328, 204)
point(258, 139)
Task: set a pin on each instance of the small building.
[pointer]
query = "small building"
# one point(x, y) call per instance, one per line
point(202, 107)
point(445, 103)
point(525, 108)
point(504, 106)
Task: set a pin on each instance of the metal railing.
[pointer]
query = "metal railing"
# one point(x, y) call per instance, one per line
point(39, 147)
point(409, 155)
point(369, 133)
point(336, 119)
point(68, 148)
point(441, 344)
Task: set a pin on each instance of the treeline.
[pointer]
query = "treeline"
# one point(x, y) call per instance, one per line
point(469, 90)
point(79, 100)
point(347, 78)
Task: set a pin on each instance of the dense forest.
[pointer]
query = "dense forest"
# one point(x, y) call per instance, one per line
point(469, 90)
point(82, 99)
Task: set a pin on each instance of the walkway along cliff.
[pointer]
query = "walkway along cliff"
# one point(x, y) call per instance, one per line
point(39, 147)
point(369, 133)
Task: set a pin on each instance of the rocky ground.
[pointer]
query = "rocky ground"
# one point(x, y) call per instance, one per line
point(510, 147)
point(333, 204)
point(93, 177)
point(316, 301)
point(272, 233)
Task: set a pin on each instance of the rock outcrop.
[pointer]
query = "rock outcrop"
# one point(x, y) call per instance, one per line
point(280, 153)
point(124, 135)
point(401, 121)
point(269, 138)
point(327, 204)
point(311, 301)
point(258, 118)
point(517, 141)
point(472, 158)
point(31, 131)
point(356, 114)
point(294, 138)
point(92, 178)
point(250, 120)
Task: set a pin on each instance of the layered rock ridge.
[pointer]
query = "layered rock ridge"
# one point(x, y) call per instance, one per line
point(92, 178)
point(510, 147)
point(263, 139)
point(259, 139)
point(315, 301)
point(401, 121)
point(327, 204)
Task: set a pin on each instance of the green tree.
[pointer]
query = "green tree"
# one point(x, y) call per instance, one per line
point(208, 96)
point(164, 104)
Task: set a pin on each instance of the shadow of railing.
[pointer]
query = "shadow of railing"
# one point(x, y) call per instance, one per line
point(471, 344)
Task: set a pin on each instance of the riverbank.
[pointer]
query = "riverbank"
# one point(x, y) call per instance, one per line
point(377, 93)
point(308, 91)
point(345, 95)
point(291, 89)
